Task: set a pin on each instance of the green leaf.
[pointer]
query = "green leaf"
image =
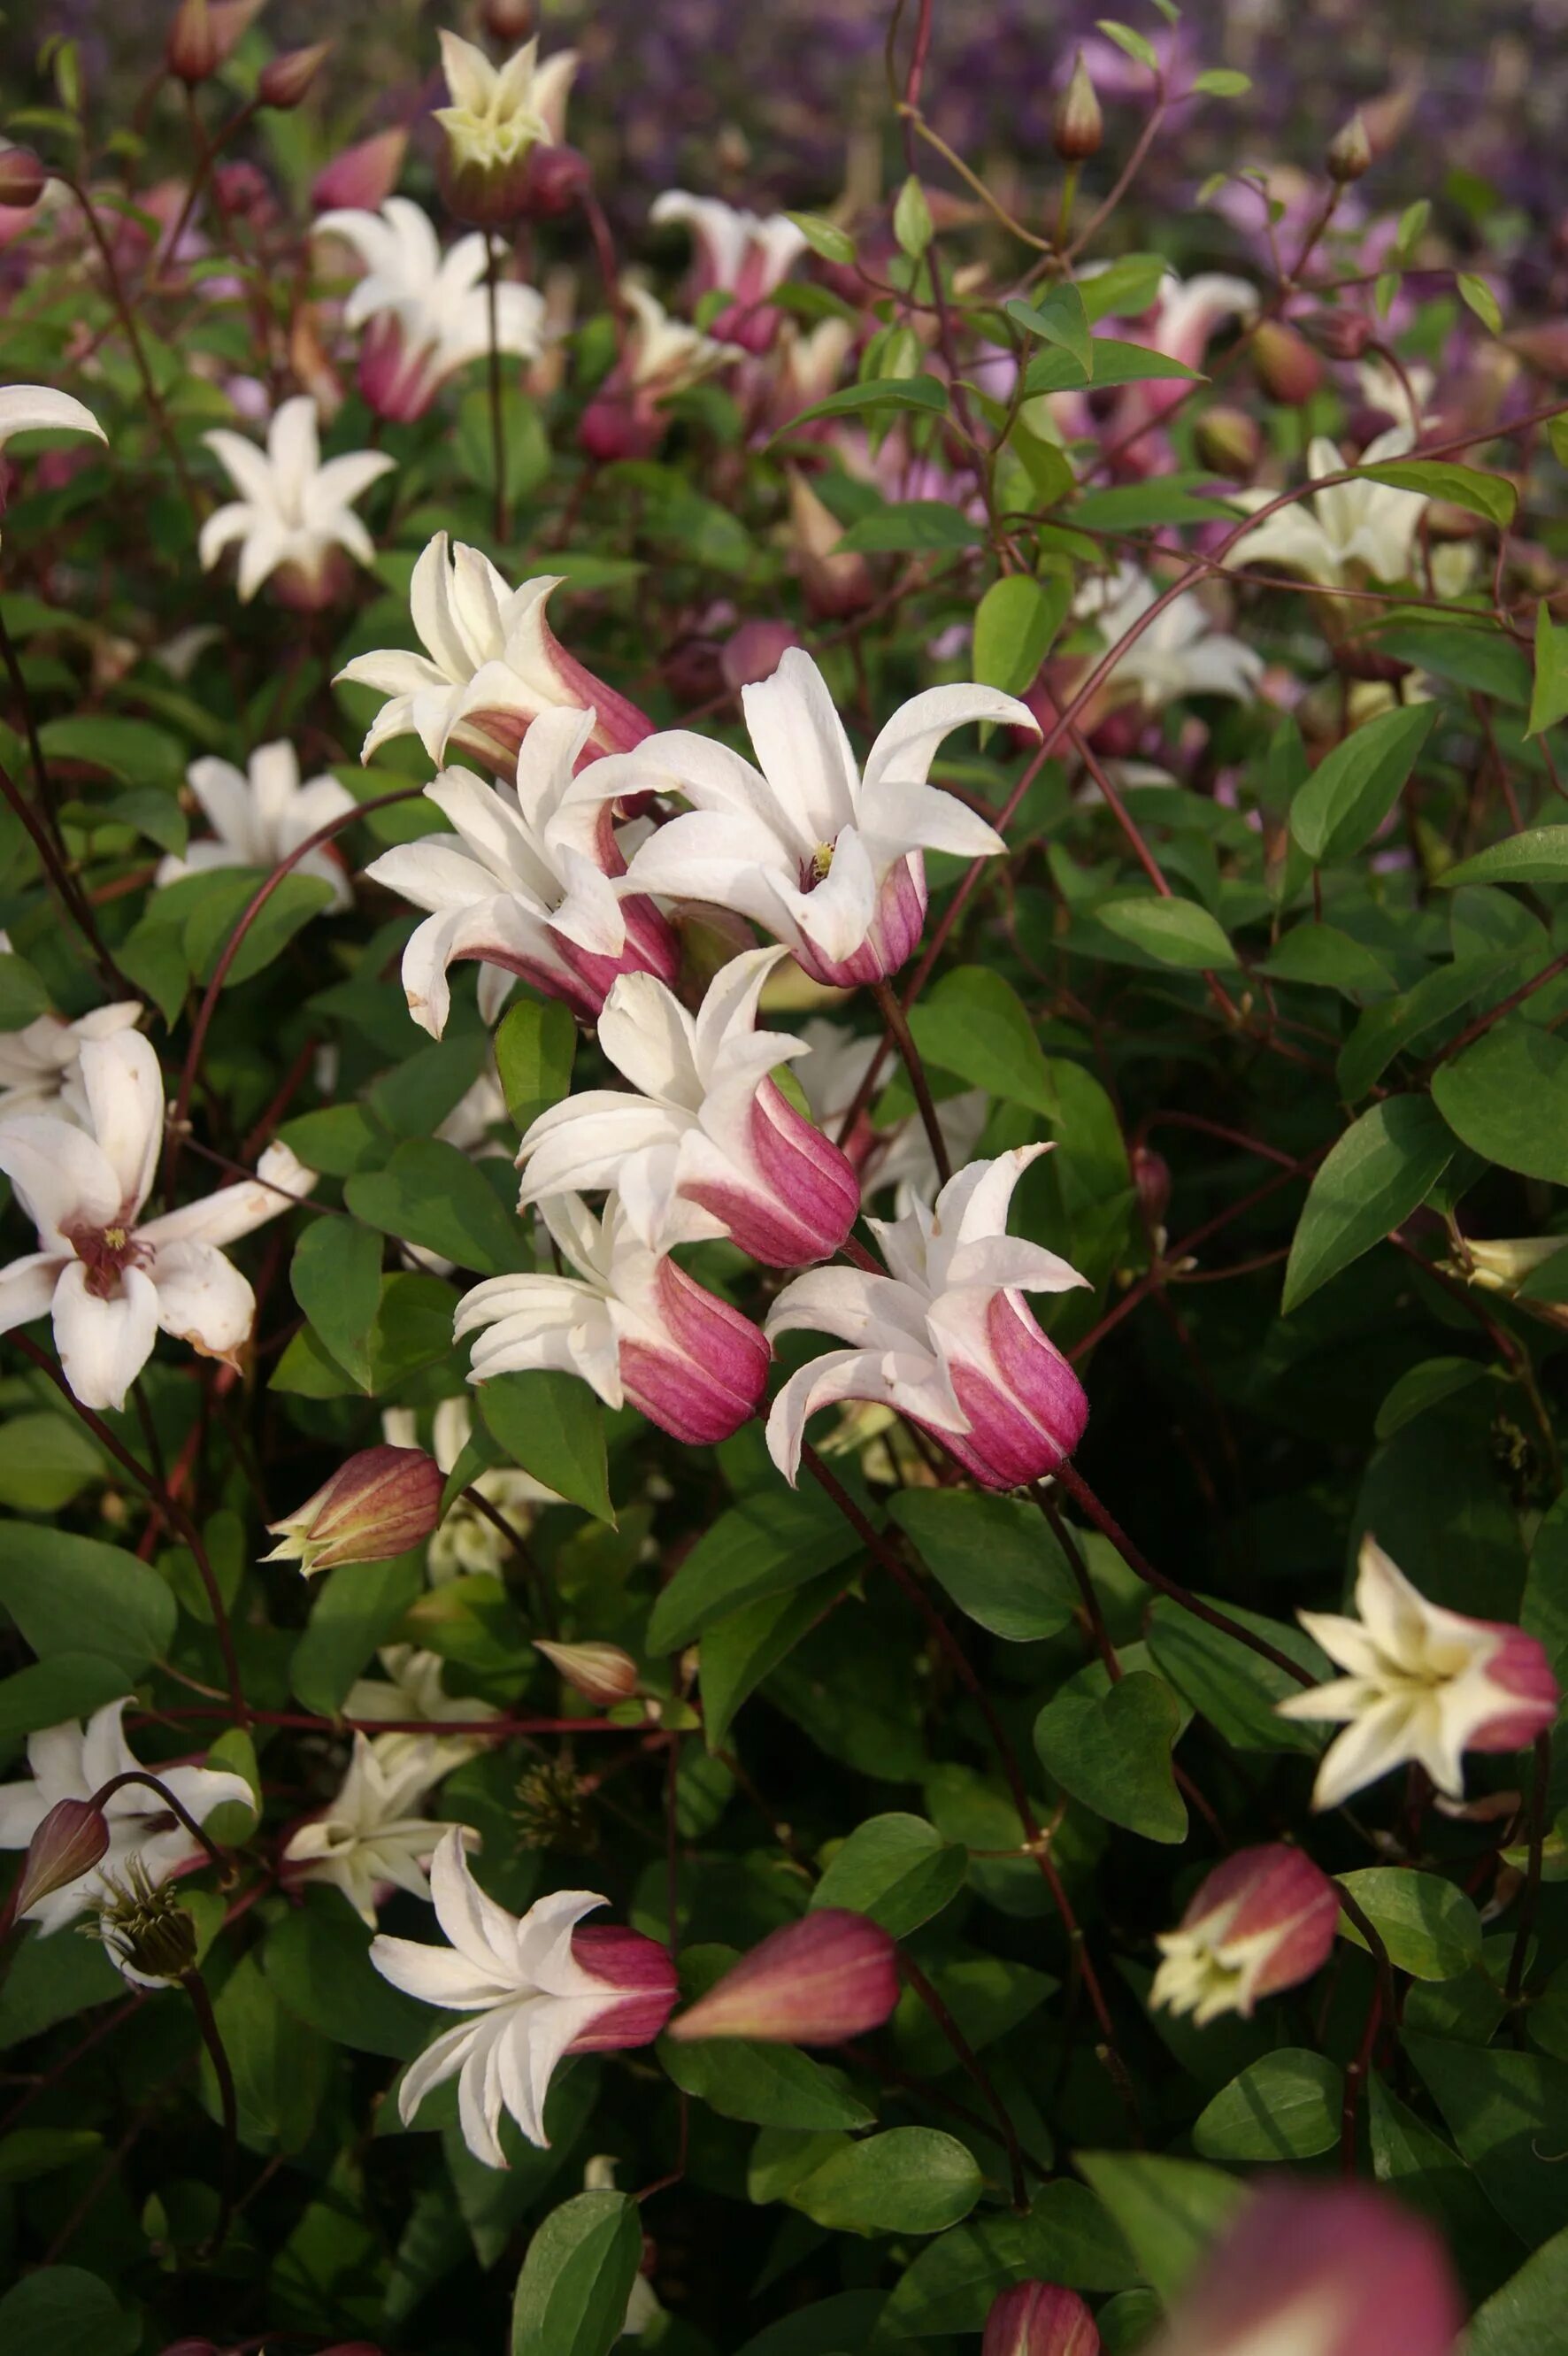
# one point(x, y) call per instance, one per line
point(1507, 1097)
point(1430, 1928)
point(1135, 45)
point(740, 1650)
point(525, 443)
point(769, 2085)
point(997, 1558)
point(61, 1588)
point(45, 1460)
point(1505, 2111)
point(1065, 2238)
point(1113, 1753)
point(909, 2181)
point(1478, 656)
point(1233, 1687)
point(535, 1042)
point(318, 1963)
point(216, 915)
point(338, 1141)
point(1324, 958)
point(1223, 81)
point(1436, 478)
point(1385, 1031)
point(974, 1024)
point(763, 1546)
point(1538, 855)
point(279, 2069)
point(1175, 932)
point(1286, 2106)
point(553, 1426)
point(825, 236)
point(910, 526)
point(913, 224)
point(896, 1869)
point(577, 2277)
point(1353, 787)
point(356, 1608)
point(65, 2306)
point(31, 2152)
point(923, 393)
point(1526, 2316)
point(845, 2320)
point(47, 1693)
point(1381, 1170)
point(23, 997)
point(1124, 287)
point(432, 1194)
point(132, 749)
point(335, 1277)
point(1475, 293)
point(1115, 363)
point(1059, 319)
point(1014, 623)
point(1170, 2210)
point(1429, 2176)
point(1161, 499)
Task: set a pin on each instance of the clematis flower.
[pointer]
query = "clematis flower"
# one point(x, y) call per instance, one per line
point(467, 1544)
point(295, 515)
point(947, 1339)
point(425, 314)
point(259, 814)
point(40, 1065)
point(832, 1974)
point(1039, 2319)
point(1179, 654)
point(491, 665)
point(633, 1325)
point(1263, 1921)
point(524, 885)
point(1181, 323)
point(825, 858)
point(1422, 1684)
point(73, 1761)
point(1348, 530)
point(538, 1987)
point(899, 1156)
point(498, 115)
point(662, 357)
point(109, 1278)
point(707, 1125)
point(412, 1688)
point(738, 254)
point(369, 1840)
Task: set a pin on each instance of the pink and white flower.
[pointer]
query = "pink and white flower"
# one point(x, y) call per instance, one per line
point(832, 1974)
point(1422, 1684)
point(295, 517)
point(741, 254)
point(661, 357)
point(708, 1125)
point(491, 665)
point(537, 1988)
point(631, 1322)
point(945, 1339)
point(111, 1279)
point(526, 885)
point(262, 813)
point(1263, 1921)
point(826, 859)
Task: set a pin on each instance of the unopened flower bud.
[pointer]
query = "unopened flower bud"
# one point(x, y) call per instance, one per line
point(363, 177)
point(835, 585)
point(377, 1504)
point(204, 36)
point(1263, 1921)
point(72, 1838)
point(1039, 2318)
point(1343, 335)
point(1501, 1266)
point(1349, 151)
point(557, 178)
point(600, 1672)
point(22, 179)
point(286, 79)
point(830, 1975)
point(509, 22)
point(1228, 441)
point(1151, 1176)
point(1077, 125)
point(1287, 366)
point(754, 652)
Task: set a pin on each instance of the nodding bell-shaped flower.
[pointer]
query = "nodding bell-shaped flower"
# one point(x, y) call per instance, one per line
point(1421, 1684)
point(492, 664)
point(1263, 1921)
point(524, 885)
point(377, 1504)
point(830, 1975)
point(945, 1339)
point(739, 254)
point(1345, 531)
point(498, 115)
point(1320, 2270)
point(710, 1128)
point(631, 1322)
point(295, 515)
point(536, 1989)
point(823, 856)
point(1039, 2319)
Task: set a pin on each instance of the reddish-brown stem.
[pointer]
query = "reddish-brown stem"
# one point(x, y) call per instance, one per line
point(892, 1015)
point(212, 2038)
point(1538, 1798)
point(974, 2070)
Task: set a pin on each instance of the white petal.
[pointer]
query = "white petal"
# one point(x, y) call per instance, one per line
point(27, 1290)
point(29, 408)
point(203, 1299)
point(912, 737)
point(125, 1100)
point(104, 1344)
point(802, 748)
point(61, 1175)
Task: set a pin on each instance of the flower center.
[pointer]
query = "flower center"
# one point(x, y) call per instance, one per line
point(815, 869)
point(106, 1253)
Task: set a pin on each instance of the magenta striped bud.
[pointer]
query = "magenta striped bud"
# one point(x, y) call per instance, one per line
point(830, 1975)
point(69, 1841)
point(379, 1503)
point(642, 1972)
point(707, 1377)
point(1321, 2271)
point(1026, 1406)
point(1039, 2318)
point(363, 177)
point(1263, 1921)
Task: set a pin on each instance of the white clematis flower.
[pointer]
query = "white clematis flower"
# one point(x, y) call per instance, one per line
point(109, 1279)
point(1422, 1684)
point(40, 1065)
point(259, 814)
point(74, 1761)
point(1179, 654)
point(369, 1839)
point(741, 254)
point(498, 113)
point(467, 1545)
point(1347, 528)
point(708, 1125)
point(491, 665)
point(536, 1987)
point(426, 313)
point(412, 1688)
point(823, 856)
point(38, 409)
point(294, 515)
point(525, 885)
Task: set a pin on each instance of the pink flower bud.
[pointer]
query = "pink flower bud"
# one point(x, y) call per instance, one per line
point(834, 585)
point(22, 179)
point(286, 79)
point(1323, 2271)
point(1227, 441)
point(72, 1839)
point(1037, 2319)
point(707, 1375)
point(398, 376)
point(830, 1975)
point(1151, 1176)
point(641, 1971)
point(557, 178)
point(363, 177)
point(1287, 368)
point(204, 34)
point(618, 422)
point(600, 1672)
point(1343, 335)
point(509, 22)
point(377, 1504)
point(1264, 1920)
point(1528, 1693)
point(754, 652)
point(1026, 1406)
point(1077, 125)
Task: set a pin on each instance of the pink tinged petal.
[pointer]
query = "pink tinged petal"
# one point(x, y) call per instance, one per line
point(1026, 1411)
point(639, 1973)
point(831, 1976)
point(71, 1840)
point(1276, 1894)
point(711, 1377)
point(813, 1197)
point(1039, 2318)
point(103, 1344)
point(896, 926)
point(1528, 1694)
